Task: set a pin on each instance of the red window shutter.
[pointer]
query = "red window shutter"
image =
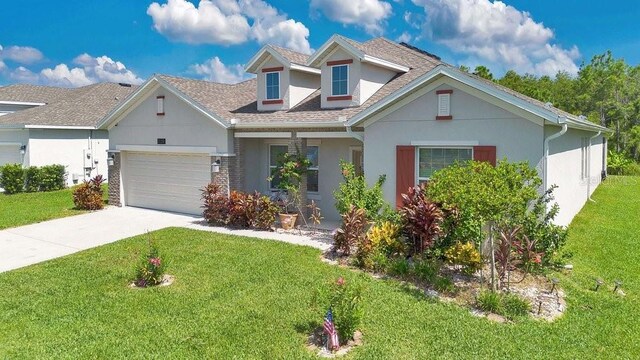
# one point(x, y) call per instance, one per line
point(405, 170)
point(485, 153)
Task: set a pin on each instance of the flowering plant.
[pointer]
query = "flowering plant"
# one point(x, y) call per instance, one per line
point(289, 170)
point(151, 267)
point(345, 300)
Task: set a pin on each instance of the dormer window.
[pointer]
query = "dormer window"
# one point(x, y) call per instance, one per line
point(339, 80)
point(273, 85)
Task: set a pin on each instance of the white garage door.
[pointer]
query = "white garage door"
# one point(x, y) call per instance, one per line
point(10, 154)
point(165, 181)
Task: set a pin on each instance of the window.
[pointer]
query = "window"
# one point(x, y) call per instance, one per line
point(275, 152)
point(431, 160)
point(340, 80)
point(312, 174)
point(584, 158)
point(273, 85)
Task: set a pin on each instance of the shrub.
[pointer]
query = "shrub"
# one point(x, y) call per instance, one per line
point(354, 191)
point(52, 177)
point(352, 231)
point(151, 267)
point(88, 195)
point(12, 178)
point(465, 255)
point(261, 211)
point(344, 299)
point(237, 210)
point(382, 241)
point(399, 267)
point(426, 269)
point(32, 179)
point(617, 163)
point(508, 305)
point(215, 206)
point(422, 219)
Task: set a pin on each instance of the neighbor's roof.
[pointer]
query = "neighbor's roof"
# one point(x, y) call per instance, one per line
point(238, 101)
point(32, 93)
point(83, 106)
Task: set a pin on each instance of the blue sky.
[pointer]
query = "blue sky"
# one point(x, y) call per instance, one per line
point(74, 43)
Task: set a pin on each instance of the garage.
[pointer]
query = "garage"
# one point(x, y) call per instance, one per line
point(170, 182)
point(10, 154)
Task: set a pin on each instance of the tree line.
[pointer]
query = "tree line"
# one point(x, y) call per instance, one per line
point(606, 91)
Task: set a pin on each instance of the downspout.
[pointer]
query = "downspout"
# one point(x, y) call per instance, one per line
point(546, 154)
point(589, 167)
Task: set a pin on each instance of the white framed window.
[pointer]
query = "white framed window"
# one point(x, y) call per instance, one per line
point(432, 159)
point(339, 80)
point(275, 152)
point(313, 154)
point(272, 80)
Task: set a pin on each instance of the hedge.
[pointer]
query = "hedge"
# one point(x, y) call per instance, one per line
point(15, 179)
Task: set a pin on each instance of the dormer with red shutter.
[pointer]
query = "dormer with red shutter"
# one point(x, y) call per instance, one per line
point(283, 78)
point(351, 73)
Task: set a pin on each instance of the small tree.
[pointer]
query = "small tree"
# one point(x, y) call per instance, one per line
point(354, 191)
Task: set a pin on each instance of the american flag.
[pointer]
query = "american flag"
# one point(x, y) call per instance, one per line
point(330, 330)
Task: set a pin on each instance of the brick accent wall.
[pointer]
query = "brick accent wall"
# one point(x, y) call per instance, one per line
point(221, 177)
point(236, 165)
point(114, 181)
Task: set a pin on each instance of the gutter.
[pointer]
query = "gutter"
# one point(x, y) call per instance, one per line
point(546, 152)
point(589, 167)
point(359, 137)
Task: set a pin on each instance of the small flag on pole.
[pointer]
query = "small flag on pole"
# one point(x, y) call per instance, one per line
point(331, 332)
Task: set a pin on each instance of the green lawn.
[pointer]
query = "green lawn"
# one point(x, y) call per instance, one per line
point(28, 208)
point(243, 298)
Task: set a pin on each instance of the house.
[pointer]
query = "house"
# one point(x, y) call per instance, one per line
point(388, 108)
point(42, 125)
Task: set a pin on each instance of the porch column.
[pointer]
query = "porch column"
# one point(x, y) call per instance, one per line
point(236, 165)
point(299, 145)
point(221, 176)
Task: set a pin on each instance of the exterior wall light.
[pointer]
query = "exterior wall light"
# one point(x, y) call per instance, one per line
point(111, 159)
point(215, 167)
point(23, 149)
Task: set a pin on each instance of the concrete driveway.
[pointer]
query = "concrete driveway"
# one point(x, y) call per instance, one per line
point(31, 244)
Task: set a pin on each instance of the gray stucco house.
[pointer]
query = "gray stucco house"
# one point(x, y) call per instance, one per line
point(388, 107)
point(44, 125)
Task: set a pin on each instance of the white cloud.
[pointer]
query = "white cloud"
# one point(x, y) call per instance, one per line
point(90, 70)
point(215, 70)
point(21, 54)
point(405, 37)
point(226, 22)
point(2, 66)
point(497, 33)
point(369, 14)
point(209, 23)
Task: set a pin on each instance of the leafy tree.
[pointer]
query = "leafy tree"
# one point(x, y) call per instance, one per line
point(483, 72)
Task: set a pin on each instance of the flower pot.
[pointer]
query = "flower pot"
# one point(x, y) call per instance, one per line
point(288, 221)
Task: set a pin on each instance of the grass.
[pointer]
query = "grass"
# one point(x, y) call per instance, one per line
point(28, 208)
point(244, 298)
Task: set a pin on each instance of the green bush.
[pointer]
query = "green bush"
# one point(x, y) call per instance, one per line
point(382, 241)
point(508, 305)
point(426, 269)
point(617, 162)
point(52, 177)
point(12, 178)
point(32, 179)
point(345, 301)
point(151, 267)
point(354, 191)
point(399, 267)
point(465, 255)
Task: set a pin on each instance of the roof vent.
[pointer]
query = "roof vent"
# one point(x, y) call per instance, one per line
point(124, 84)
point(420, 50)
point(582, 117)
point(548, 105)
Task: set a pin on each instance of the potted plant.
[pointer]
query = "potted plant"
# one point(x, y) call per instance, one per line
point(289, 172)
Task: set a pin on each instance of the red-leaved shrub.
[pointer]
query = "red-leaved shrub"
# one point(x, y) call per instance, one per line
point(352, 231)
point(422, 219)
point(88, 195)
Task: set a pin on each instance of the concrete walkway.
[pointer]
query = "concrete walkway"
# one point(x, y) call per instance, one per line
point(31, 244)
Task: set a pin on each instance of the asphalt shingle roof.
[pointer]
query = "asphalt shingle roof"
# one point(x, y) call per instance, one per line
point(238, 101)
point(293, 56)
point(83, 106)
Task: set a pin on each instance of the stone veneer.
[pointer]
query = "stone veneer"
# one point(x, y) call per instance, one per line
point(114, 180)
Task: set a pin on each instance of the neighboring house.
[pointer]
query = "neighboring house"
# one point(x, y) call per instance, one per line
point(388, 108)
point(43, 125)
